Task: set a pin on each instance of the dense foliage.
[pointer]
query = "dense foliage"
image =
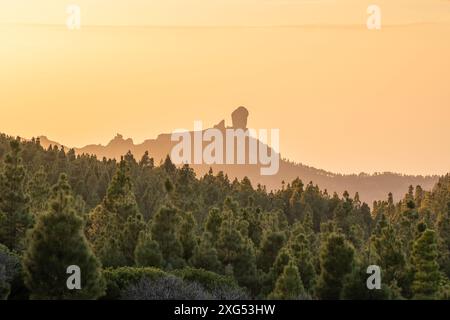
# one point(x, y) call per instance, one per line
point(138, 231)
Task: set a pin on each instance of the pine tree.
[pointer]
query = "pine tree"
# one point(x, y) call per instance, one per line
point(38, 189)
point(342, 213)
point(308, 228)
point(255, 228)
point(120, 198)
point(295, 205)
point(213, 222)
point(15, 217)
point(419, 195)
point(300, 249)
point(283, 258)
point(56, 242)
point(102, 231)
point(269, 279)
point(91, 195)
point(129, 236)
point(146, 162)
point(169, 167)
point(443, 228)
point(109, 250)
point(230, 240)
point(408, 224)
point(389, 253)
point(390, 205)
point(187, 235)
point(244, 266)
point(271, 245)
point(238, 251)
point(289, 285)
point(147, 252)
point(313, 197)
point(114, 225)
point(185, 187)
point(336, 261)
point(205, 255)
point(164, 230)
point(424, 258)
point(356, 236)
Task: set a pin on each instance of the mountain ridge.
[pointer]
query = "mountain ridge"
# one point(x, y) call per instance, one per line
point(370, 187)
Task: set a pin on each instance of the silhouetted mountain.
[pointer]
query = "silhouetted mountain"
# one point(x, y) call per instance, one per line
point(370, 186)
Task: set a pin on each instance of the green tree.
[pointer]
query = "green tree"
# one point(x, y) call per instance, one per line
point(255, 228)
point(187, 235)
point(289, 285)
point(206, 256)
point(443, 228)
point(147, 252)
point(342, 213)
point(56, 242)
point(169, 167)
point(389, 254)
point(213, 222)
point(407, 223)
point(102, 232)
point(237, 251)
point(15, 217)
point(110, 250)
point(244, 266)
point(269, 279)
point(129, 236)
point(270, 246)
point(308, 229)
point(283, 258)
point(38, 189)
point(120, 198)
point(336, 261)
point(164, 229)
point(114, 225)
point(300, 249)
point(426, 269)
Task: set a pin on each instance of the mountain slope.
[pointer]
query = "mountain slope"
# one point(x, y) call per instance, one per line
point(370, 187)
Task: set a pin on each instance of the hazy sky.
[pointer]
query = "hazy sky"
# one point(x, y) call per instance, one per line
point(346, 99)
point(222, 12)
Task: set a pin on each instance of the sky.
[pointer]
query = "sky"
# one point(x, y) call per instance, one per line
point(222, 12)
point(346, 99)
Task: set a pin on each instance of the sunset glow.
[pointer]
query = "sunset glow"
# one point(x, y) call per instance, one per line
point(345, 99)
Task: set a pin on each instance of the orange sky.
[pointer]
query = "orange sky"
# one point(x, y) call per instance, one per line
point(223, 12)
point(345, 99)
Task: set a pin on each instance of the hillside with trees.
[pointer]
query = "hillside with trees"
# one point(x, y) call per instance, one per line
point(370, 186)
point(143, 230)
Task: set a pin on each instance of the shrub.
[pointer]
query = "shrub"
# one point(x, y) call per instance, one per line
point(228, 293)
point(166, 288)
point(133, 283)
point(208, 279)
point(10, 271)
point(117, 280)
point(220, 287)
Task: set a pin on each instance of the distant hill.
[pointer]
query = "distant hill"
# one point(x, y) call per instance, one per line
point(370, 186)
